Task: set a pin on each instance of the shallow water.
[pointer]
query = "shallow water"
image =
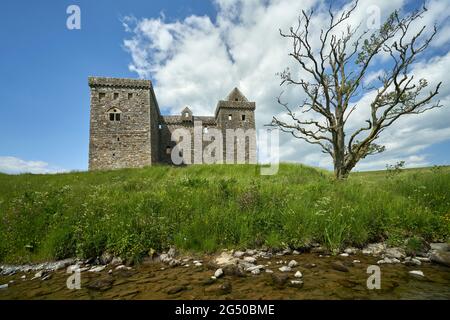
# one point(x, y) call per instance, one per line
point(320, 282)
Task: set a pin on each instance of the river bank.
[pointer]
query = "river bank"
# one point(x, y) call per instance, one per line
point(249, 274)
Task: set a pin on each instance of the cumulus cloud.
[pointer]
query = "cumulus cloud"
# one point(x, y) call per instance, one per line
point(197, 60)
point(13, 165)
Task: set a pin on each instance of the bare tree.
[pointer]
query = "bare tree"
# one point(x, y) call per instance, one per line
point(337, 68)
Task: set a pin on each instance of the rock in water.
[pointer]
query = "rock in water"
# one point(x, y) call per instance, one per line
point(298, 274)
point(339, 266)
point(284, 269)
point(218, 273)
point(296, 283)
point(101, 285)
point(256, 271)
point(440, 246)
point(97, 269)
point(279, 280)
point(441, 257)
point(4, 286)
point(221, 289)
point(292, 264)
point(417, 273)
point(176, 289)
point(396, 253)
point(225, 259)
point(233, 270)
point(250, 259)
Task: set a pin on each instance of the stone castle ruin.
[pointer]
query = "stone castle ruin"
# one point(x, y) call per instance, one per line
point(128, 130)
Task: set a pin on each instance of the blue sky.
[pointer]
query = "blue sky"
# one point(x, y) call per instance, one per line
point(44, 69)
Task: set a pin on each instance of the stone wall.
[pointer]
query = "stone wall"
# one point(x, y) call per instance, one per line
point(123, 143)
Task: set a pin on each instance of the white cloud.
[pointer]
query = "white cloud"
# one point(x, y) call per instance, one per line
point(197, 61)
point(13, 165)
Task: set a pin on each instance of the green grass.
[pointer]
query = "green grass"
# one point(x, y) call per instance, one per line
point(204, 208)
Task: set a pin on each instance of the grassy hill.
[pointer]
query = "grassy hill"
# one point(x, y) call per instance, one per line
point(129, 212)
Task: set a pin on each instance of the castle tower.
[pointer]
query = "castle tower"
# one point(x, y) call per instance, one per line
point(124, 119)
point(236, 114)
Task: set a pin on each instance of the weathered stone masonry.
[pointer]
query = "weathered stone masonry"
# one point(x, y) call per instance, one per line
point(128, 130)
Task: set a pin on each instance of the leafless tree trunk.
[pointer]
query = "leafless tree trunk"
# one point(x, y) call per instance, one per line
point(337, 69)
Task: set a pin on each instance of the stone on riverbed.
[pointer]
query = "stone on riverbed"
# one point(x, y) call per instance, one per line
point(225, 259)
point(252, 268)
point(220, 289)
point(97, 269)
point(250, 259)
point(387, 260)
point(256, 271)
point(441, 257)
point(440, 246)
point(339, 267)
point(176, 289)
point(101, 285)
point(351, 250)
point(239, 254)
point(396, 253)
point(374, 249)
point(292, 264)
point(298, 274)
point(4, 286)
point(285, 269)
point(296, 283)
point(409, 261)
point(279, 280)
point(218, 273)
point(417, 273)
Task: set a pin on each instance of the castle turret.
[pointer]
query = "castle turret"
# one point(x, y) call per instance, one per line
point(124, 123)
point(237, 114)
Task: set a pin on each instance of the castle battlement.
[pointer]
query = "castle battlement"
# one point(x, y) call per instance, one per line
point(128, 130)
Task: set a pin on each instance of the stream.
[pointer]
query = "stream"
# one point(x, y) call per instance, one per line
point(159, 281)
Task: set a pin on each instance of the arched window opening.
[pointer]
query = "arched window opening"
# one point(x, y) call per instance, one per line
point(114, 114)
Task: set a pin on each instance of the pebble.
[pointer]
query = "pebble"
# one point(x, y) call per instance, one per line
point(256, 271)
point(350, 250)
point(250, 252)
point(344, 254)
point(197, 264)
point(250, 259)
point(298, 274)
point(253, 268)
point(4, 286)
point(295, 252)
point(269, 271)
point(296, 283)
point(97, 269)
point(284, 269)
point(339, 267)
point(417, 273)
point(122, 267)
point(292, 264)
point(218, 273)
point(239, 254)
point(356, 261)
